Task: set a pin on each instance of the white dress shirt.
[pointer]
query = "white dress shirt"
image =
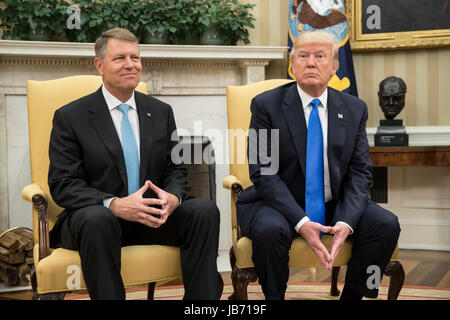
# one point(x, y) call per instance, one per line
point(323, 116)
point(116, 115)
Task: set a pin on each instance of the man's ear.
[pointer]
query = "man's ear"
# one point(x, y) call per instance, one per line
point(335, 67)
point(99, 65)
point(291, 68)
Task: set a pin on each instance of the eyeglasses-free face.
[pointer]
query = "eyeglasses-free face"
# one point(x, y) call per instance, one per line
point(313, 67)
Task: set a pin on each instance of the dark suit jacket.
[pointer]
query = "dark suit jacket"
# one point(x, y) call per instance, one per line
point(348, 156)
point(86, 158)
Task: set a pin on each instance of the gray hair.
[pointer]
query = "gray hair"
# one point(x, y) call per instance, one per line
point(117, 33)
point(317, 36)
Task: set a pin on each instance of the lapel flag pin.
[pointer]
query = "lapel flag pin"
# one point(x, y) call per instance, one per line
point(340, 116)
point(149, 114)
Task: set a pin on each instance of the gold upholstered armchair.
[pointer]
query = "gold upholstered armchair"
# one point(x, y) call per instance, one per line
point(58, 271)
point(300, 255)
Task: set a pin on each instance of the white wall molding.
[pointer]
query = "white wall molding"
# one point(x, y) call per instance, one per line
point(426, 203)
point(425, 222)
point(43, 60)
point(421, 136)
point(421, 246)
point(420, 197)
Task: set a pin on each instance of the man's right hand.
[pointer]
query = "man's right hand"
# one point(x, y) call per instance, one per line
point(311, 232)
point(137, 209)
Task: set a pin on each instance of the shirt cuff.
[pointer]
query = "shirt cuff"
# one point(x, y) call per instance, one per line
point(301, 223)
point(107, 202)
point(342, 222)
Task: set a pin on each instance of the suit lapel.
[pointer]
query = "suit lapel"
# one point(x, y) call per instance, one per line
point(337, 117)
point(101, 120)
point(336, 124)
point(295, 117)
point(146, 128)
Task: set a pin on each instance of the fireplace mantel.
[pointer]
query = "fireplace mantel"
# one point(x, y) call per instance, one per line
point(152, 51)
point(164, 65)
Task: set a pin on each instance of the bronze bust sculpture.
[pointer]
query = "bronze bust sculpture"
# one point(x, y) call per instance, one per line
point(391, 96)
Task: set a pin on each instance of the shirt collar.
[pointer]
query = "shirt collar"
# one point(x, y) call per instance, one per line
point(113, 102)
point(306, 98)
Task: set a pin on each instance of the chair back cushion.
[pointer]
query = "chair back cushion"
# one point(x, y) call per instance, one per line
point(238, 108)
point(44, 98)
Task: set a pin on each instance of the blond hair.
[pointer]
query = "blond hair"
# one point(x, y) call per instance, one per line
point(116, 33)
point(317, 36)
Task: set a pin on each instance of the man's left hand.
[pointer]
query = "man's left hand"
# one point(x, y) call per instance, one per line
point(340, 232)
point(171, 201)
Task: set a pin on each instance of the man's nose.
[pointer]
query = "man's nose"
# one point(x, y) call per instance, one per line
point(129, 62)
point(311, 61)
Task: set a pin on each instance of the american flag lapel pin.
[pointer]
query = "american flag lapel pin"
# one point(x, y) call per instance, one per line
point(340, 116)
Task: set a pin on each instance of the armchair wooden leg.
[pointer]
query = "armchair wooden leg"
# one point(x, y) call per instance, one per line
point(240, 279)
point(151, 291)
point(33, 280)
point(221, 285)
point(334, 291)
point(49, 296)
point(396, 273)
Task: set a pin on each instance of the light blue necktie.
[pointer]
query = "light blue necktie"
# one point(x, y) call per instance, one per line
point(130, 150)
point(315, 194)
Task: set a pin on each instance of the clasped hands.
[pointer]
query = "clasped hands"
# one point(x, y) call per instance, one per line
point(311, 231)
point(138, 209)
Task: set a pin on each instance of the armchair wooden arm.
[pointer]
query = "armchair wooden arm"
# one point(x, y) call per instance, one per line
point(31, 190)
point(36, 195)
point(231, 182)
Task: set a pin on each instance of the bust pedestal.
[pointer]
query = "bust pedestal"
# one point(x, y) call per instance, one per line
point(391, 133)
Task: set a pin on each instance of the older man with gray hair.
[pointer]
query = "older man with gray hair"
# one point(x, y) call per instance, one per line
point(322, 184)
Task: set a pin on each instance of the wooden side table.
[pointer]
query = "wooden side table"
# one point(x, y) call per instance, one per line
point(383, 157)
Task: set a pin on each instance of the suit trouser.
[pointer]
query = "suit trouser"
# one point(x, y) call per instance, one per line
point(98, 235)
point(374, 241)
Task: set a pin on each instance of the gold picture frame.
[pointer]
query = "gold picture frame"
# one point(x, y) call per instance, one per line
point(391, 40)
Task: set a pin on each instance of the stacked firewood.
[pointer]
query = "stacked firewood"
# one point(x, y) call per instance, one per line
point(16, 256)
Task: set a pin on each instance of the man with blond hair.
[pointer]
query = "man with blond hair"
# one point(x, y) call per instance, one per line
point(322, 183)
point(111, 170)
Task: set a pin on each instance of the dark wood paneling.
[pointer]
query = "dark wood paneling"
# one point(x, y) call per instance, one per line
point(410, 156)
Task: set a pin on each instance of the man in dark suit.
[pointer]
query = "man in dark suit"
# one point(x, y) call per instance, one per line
point(112, 172)
point(322, 181)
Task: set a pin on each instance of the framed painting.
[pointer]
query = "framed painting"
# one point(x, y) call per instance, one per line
point(398, 24)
